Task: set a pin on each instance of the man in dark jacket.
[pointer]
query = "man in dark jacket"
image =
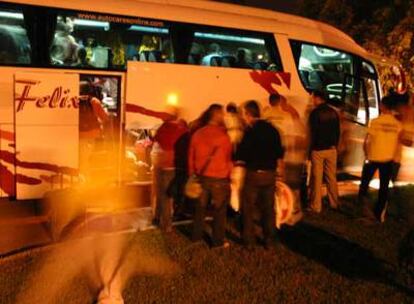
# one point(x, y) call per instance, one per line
point(259, 152)
point(325, 131)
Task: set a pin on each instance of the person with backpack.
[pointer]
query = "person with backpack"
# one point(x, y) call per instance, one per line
point(210, 160)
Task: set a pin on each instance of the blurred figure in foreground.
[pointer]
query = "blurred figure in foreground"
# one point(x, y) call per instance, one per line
point(235, 128)
point(259, 152)
point(292, 132)
point(234, 124)
point(170, 163)
point(172, 138)
point(324, 126)
point(210, 159)
point(380, 147)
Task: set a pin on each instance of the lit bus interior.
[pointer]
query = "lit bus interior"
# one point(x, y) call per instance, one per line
point(15, 46)
point(92, 41)
point(350, 85)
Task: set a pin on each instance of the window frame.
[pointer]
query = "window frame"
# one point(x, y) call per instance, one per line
point(359, 74)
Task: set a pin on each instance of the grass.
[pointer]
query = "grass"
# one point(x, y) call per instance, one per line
point(327, 258)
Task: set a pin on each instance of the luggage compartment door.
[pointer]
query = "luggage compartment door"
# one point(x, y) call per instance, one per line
point(47, 132)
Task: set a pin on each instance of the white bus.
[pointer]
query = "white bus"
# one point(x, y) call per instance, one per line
point(151, 53)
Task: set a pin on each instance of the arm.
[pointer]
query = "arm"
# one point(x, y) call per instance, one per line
point(99, 111)
point(365, 146)
point(310, 131)
point(191, 155)
point(242, 150)
point(141, 110)
point(229, 152)
point(337, 129)
point(405, 139)
point(280, 151)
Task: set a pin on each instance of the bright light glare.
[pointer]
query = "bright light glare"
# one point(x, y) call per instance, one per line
point(172, 99)
point(304, 64)
point(324, 52)
point(92, 23)
point(229, 38)
point(148, 29)
point(375, 183)
point(11, 15)
point(337, 87)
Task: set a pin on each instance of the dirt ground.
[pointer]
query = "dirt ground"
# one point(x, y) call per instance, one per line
point(328, 258)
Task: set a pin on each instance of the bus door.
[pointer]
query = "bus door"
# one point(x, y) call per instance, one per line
point(360, 97)
point(46, 132)
point(99, 125)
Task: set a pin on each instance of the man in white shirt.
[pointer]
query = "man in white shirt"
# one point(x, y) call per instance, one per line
point(380, 147)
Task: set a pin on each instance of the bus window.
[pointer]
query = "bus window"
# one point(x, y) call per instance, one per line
point(369, 77)
point(15, 45)
point(233, 49)
point(94, 41)
point(322, 68)
point(372, 92)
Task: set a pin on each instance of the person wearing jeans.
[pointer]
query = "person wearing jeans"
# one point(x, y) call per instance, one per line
point(210, 158)
point(218, 190)
point(324, 126)
point(380, 147)
point(259, 190)
point(259, 152)
point(168, 162)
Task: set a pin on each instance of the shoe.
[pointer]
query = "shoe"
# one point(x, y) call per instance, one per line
point(312, 211)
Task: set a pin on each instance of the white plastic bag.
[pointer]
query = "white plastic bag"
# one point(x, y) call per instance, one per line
point(284, 205)
point(237, 181)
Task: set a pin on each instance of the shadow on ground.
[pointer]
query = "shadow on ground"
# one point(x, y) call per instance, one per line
point(339, 255)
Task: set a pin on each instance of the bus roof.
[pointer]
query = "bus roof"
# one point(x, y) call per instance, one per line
point(217, 14)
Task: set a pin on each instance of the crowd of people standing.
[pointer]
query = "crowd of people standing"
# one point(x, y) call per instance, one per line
point(196, 161)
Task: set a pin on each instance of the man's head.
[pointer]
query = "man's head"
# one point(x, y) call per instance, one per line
point(251, 111)
point(214, 48)
point(86, 90)
point(231, 108)
point(173, 110)
point(213, 115)
point(386, 104)
point(318, 97)
point(274, 99)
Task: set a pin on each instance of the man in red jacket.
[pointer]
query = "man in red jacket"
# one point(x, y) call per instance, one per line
point(210, 156)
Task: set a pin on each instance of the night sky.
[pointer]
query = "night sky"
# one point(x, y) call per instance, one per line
point(289, 6)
